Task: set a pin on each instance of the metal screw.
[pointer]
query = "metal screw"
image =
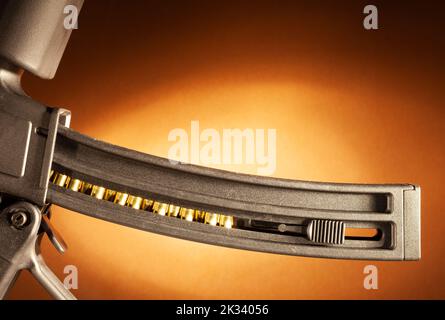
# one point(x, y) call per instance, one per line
point(19, 219)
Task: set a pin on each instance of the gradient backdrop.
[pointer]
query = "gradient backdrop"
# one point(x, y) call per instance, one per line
point(349, 105)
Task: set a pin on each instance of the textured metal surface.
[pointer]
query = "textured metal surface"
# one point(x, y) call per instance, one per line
point(327, 231)
point(383, 207)
point(124, 199)
point(175, 199)
point(152, 194)
point(23, 251)
point(26, 155)
point(33, 35)
point(15, 135)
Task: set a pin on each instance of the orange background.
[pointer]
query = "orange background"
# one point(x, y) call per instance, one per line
point(349, 105)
